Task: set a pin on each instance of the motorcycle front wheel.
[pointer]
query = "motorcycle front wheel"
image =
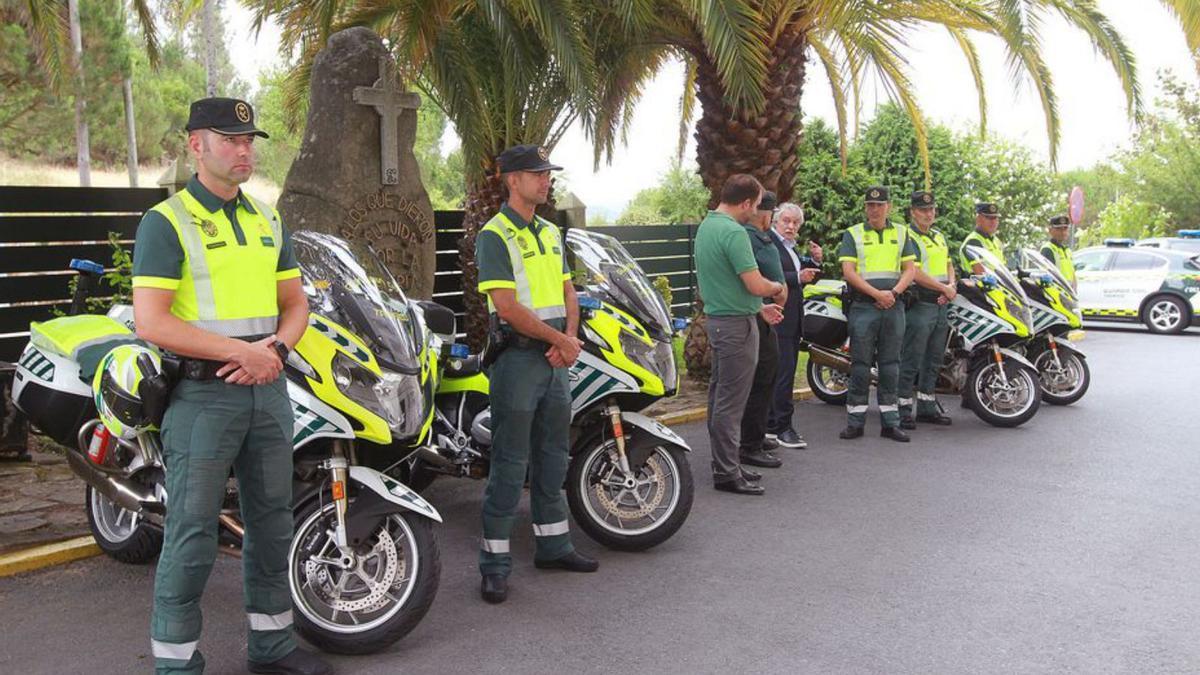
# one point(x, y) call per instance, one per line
point(828, 384)
point(1003, 401)
point(361, 601)
point(1063, 382)
point(630, 513)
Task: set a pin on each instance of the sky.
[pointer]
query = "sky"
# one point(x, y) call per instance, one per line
point(1092, 108)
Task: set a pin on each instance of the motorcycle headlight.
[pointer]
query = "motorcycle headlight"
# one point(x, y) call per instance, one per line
point(394, 397)
point(656, 357)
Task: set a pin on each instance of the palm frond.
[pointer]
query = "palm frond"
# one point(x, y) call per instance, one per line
point(732, 31)
point(972, 56)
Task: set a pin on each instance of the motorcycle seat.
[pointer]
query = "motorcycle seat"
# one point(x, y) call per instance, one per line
point(464, 367)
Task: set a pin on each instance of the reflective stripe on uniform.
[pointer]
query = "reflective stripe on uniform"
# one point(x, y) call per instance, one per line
point(888, 408)
point(550, 529)
point(875, 268)
point(854, 409)
point(263, 325)
point(189, 237)
point(933, 253)
point(270, 621)
point(904, 401)
point(925, 397)
point(180, 651)
point(494, 545)
point(538, 288)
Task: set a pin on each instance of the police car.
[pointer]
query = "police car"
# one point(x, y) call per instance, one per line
point(1121, 281)
point(1187, 241)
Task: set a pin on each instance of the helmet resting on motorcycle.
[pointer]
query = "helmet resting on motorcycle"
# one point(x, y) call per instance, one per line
point(115, 389)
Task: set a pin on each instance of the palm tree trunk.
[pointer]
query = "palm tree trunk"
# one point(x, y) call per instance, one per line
point(762, 145)
point(483, 200)
point(131, 158)
point(208, 28)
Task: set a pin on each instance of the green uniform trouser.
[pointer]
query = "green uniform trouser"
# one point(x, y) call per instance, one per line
point(926, 328)
point(209, 427)
point(531, 417)
point(875, 337)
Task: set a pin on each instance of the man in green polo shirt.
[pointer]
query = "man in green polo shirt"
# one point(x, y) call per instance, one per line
point(732, 289)
point(753, 449)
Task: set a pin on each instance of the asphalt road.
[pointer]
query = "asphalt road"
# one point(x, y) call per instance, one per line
point(1071, 544)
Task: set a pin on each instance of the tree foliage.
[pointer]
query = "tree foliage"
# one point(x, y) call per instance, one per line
point(679, 197)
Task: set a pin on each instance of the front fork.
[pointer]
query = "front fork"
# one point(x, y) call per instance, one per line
point(1054, 350)
point(339, 465)
point(614, 415)
point(999, 357)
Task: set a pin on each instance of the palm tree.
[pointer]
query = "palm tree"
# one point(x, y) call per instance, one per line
point(505, 72)
point(746, 60)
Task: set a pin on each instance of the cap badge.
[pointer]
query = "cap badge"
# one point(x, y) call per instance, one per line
point(242, 111)
point(874, 194)
point(927, 198)
point(542, 154)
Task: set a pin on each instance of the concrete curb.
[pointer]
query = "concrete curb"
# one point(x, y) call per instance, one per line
point(47, 555)
point(79, 548)
point(696, 414)
point(1077, 335)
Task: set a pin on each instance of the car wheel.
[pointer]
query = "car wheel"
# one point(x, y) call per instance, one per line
point(1166, 314)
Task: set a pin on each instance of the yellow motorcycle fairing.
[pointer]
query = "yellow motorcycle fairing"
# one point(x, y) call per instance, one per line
point(1054, 295)
point(320, 344)
point(1000, 298)
point(609, 324)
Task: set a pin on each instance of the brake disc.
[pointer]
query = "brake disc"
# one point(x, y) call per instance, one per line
point(612, 497)
point(372, 576)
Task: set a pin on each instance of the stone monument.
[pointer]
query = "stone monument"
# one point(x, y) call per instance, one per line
point(356, 176)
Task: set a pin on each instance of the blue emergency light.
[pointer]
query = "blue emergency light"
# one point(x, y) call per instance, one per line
point(86, 266)
point(1189, 234)
point(679, 324)
point(459, 351)
point(1119, 242)
point(588, 302)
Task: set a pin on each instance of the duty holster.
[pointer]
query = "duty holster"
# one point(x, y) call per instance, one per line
point(497, 342)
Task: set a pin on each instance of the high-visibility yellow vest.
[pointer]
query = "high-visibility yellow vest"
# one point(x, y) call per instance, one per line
point(225, 287)
point(879, 257)
point(1061, 257)
point(991, 244)
point(537, 265)
point(934, 253)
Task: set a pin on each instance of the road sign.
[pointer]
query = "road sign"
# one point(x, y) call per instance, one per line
point(1076, 204)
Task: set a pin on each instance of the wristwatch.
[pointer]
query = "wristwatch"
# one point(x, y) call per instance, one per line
point(281, 349)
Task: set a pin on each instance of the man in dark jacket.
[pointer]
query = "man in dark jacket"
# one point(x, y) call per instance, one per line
point(798, 270)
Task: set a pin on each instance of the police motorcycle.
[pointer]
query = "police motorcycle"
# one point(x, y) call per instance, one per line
point(1062, 367)
point(629, 483)
point(363, 564)
point(990, 320)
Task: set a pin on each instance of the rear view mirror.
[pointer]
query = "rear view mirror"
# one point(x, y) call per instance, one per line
point(438, 318)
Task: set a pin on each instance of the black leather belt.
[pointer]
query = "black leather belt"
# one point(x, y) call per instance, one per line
point(525, 342)
point(199, 369)
point(926, 295)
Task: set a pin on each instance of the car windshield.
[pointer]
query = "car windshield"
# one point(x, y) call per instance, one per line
point(603, 266)
point(348, 284)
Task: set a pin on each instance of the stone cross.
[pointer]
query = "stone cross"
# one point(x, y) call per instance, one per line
point(389, 101)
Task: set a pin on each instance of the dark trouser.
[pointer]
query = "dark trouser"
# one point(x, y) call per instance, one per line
point(782, 404)
point(531, 419)
point(734, 344)
point(209, 427)
point(925, 332)
point(875, 337)
point(758, 405)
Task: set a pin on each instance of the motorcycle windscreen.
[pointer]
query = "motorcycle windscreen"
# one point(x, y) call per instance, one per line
point(1033, 261)
point(602, 265)
point(1016, 300)
point(347, 283)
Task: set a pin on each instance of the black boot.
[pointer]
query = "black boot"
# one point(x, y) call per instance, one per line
point(907, 422)
point(298, 662)
point(494, 588)
point(894, 433)
point(851, 432)
point(935, 418)
point(571, 562)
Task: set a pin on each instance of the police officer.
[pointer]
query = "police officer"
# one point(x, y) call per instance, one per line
point(877, 263)
point(1057, 250)
point(987, 222)
point(926, 326)
point(525, 276)
point(215, 281)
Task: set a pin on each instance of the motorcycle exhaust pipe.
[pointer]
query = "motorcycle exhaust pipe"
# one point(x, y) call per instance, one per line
point(432, 456)
point(829, 358)
point(121, 491)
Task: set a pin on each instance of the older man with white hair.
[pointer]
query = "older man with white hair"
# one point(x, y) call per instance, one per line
point(798, 269)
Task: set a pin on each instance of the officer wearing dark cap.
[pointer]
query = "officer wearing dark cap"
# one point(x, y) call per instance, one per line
point(877, 263)
point(752, 449)
point(215, 281)
point(926, 321)
point(528, 284)
point(987, 222)
point(1058, 249)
